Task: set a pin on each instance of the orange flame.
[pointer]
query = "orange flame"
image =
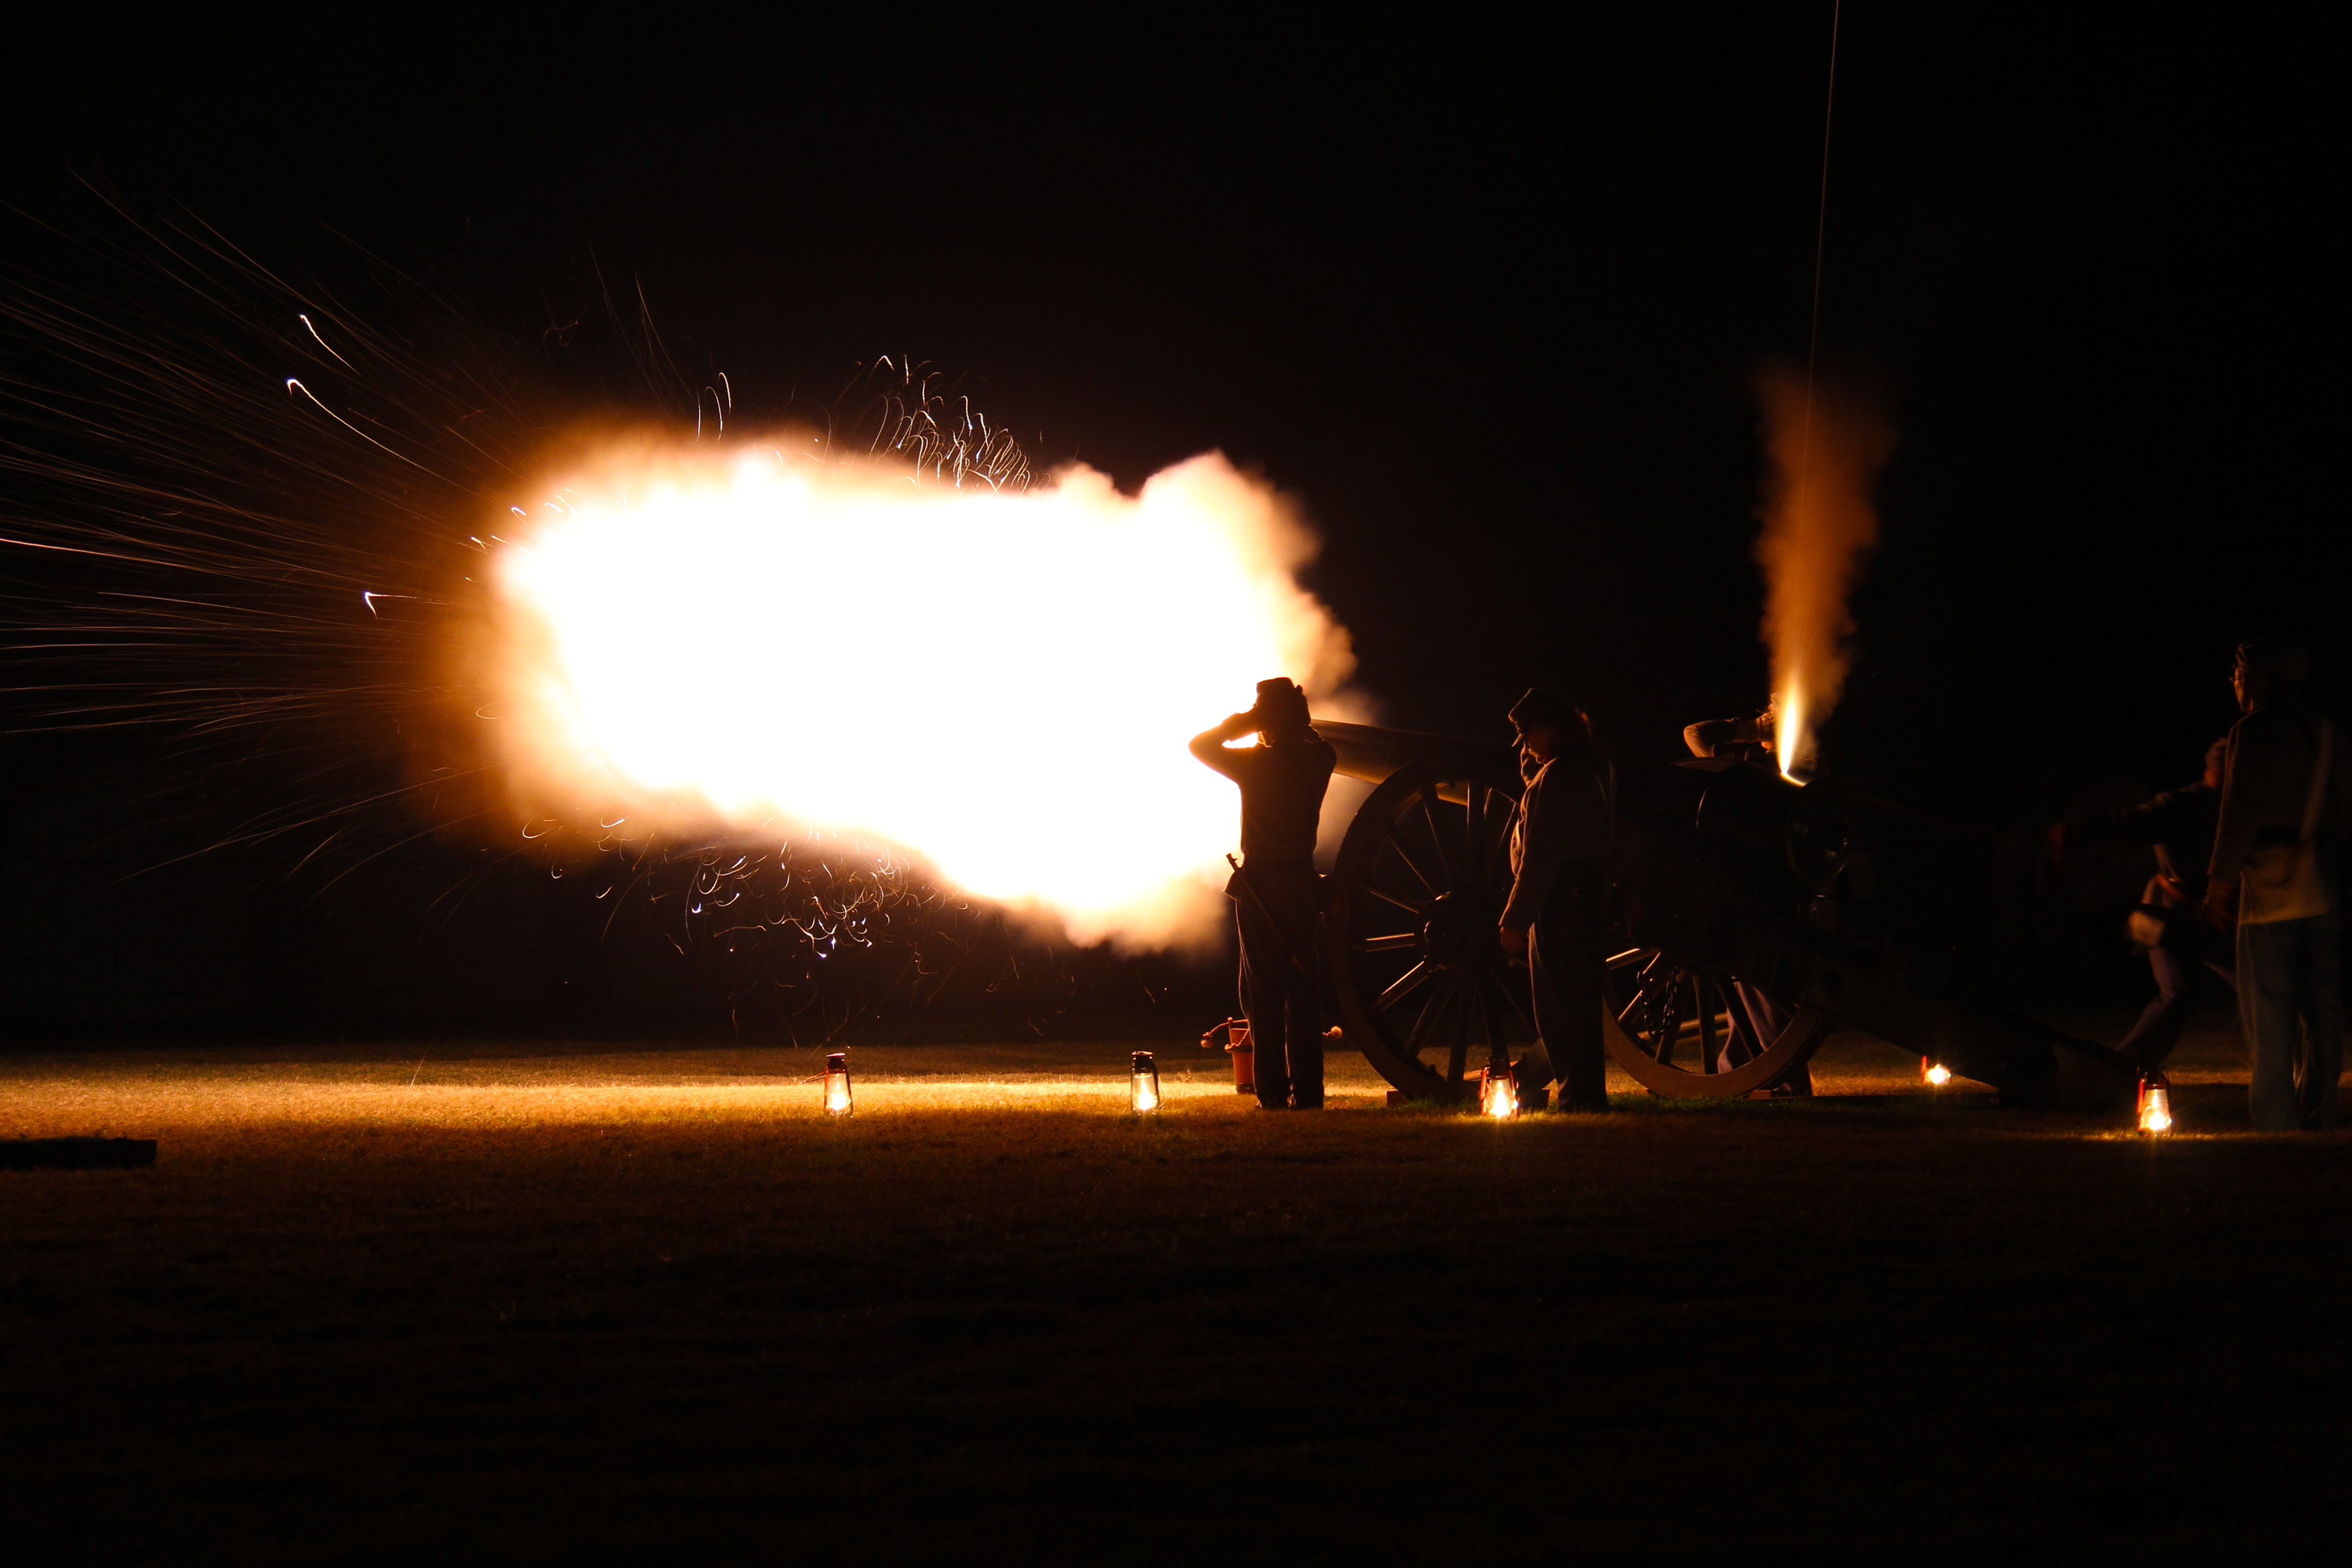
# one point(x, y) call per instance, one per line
point(999, 683)
point(1819, 524)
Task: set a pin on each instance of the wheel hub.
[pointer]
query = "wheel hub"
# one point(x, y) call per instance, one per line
point(1454, 936)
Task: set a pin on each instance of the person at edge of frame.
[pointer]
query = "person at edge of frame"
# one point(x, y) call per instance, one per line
point(1750, 741)
point(1555, 920)
point(1277, 893)
point(2170, 922)
point(2280, 839)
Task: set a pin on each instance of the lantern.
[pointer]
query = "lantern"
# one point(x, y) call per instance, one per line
point(2155, 1105)
point(837, 1083)
point(1499, 1096)
point(1933, 1073)
point(1143, 1084)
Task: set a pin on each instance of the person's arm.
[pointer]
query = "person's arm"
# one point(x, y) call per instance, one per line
point(2181, 823)
point(1209, 745)
point(2169, 819)
point(2165, 819)
point(1541, 850)
point(2133, 823)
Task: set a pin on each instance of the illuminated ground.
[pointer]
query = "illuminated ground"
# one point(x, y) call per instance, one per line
point(645, 1303)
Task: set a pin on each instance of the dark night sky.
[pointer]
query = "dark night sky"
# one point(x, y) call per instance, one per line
point(1490, 302)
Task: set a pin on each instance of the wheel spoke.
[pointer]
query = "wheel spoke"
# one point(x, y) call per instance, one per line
point(1396, 842)
point(1429, 818)
point(1502, 983)
point(1398, 943)
point(1411, 906)
point(1405, 984)
point(1707, 1048)
point(1474, 828)
point(1668, 1021)
point(1459, 1059)
point(1429, 1011)
point(1745, 1045)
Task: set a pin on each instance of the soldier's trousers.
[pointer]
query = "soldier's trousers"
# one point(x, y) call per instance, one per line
point(1564, 971)
point(2161, 1022)
point(1281, 994)
point(2292, 1015)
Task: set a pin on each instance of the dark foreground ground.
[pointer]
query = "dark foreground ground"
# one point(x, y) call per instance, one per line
point(650, 1307)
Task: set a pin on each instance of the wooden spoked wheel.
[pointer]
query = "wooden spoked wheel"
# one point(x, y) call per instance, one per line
point(1683, 1030)
point(1422, 987)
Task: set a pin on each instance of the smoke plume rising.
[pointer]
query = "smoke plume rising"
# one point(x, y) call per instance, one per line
point(1819, 525)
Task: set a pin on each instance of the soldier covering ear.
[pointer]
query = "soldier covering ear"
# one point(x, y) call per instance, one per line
point(1277, 898)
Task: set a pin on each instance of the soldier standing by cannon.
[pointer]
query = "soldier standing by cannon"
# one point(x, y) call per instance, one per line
point(1276, 894)
point(1553, 919)
point(1751, 741)
point(2280, 839)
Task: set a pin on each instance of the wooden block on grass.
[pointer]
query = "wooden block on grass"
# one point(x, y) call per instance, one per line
point(76, 1153)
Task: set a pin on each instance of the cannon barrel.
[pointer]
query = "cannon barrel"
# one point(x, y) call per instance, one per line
point(1371, 753)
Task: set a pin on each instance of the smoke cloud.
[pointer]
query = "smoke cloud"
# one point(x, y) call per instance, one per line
point(1819, 527)
point(998, 684)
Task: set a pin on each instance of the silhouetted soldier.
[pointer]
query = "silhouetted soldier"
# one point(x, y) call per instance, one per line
point(2281, 833)
point(1750, 741)
point(1276, 894)
point(1560, 883)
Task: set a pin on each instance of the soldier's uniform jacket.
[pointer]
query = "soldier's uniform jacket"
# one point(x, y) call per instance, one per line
point(2273, 783)
point(1559, 839)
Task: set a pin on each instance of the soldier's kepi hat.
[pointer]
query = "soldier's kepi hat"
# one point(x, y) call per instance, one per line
point(1549, 710)
point(2282, 660)
point(1281, 697)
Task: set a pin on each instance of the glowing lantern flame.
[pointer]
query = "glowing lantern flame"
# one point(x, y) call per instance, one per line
point(836, 1084)
point(1143, 1092)
point(1002, 683)
point(1935, 1072)
point(2155, 1105)
point(1498, 1097)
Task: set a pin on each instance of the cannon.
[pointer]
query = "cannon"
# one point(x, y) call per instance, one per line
point(1836, 907)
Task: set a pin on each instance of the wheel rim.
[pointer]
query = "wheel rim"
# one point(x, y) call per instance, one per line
point(1422, 876)
point(1684, 1031)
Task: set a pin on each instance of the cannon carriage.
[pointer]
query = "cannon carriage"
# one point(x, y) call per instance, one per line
point(1731, 886)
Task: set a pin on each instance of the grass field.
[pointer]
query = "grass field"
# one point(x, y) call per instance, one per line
point(651, 1304)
